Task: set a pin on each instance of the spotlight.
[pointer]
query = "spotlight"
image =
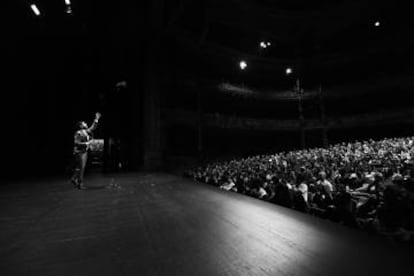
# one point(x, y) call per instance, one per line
point(289, 71)
point(243, 65)
point(377, 24)
point(265, 44)
point(68, 7)
point(35, 9)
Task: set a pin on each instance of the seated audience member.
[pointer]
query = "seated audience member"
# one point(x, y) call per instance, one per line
point(283, 194)
point(395, 208)
point(229, 185)
point(303, 189)
point(367, 184)
point(301, 197)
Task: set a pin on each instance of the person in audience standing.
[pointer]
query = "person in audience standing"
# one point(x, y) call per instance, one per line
point(327, 186)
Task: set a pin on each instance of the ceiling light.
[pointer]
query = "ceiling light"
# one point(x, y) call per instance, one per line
point(35, 9)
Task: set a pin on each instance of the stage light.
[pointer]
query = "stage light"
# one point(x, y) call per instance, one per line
point(377, 24)
point(265, 44)
point(35, 9)
point(68, 7)
point(289, 71)
point(243, 65)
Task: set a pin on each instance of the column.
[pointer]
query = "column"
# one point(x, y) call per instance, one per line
point(153, 157)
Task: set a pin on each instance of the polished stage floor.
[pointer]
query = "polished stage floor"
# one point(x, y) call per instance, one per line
point(160, 224)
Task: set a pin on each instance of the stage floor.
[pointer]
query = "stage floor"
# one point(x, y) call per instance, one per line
point(160, 224)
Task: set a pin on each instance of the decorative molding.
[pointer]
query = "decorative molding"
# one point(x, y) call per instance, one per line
point(181, 117)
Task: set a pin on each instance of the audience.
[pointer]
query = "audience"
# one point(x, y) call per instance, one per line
point(367, 184)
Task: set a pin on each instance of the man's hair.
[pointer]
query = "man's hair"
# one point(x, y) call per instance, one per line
point(79, 125)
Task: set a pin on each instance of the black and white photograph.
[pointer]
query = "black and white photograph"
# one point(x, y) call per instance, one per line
point(207, 137)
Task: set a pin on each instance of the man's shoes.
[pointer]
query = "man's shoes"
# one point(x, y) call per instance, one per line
point(74, 182)
point(81, 186)
point(77, 184)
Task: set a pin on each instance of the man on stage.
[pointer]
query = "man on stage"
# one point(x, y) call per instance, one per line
point(82, 140)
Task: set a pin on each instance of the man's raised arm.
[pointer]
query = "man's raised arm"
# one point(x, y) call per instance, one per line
point(95, 122)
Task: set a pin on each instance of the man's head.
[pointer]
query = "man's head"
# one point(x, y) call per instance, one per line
point(81, 125)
